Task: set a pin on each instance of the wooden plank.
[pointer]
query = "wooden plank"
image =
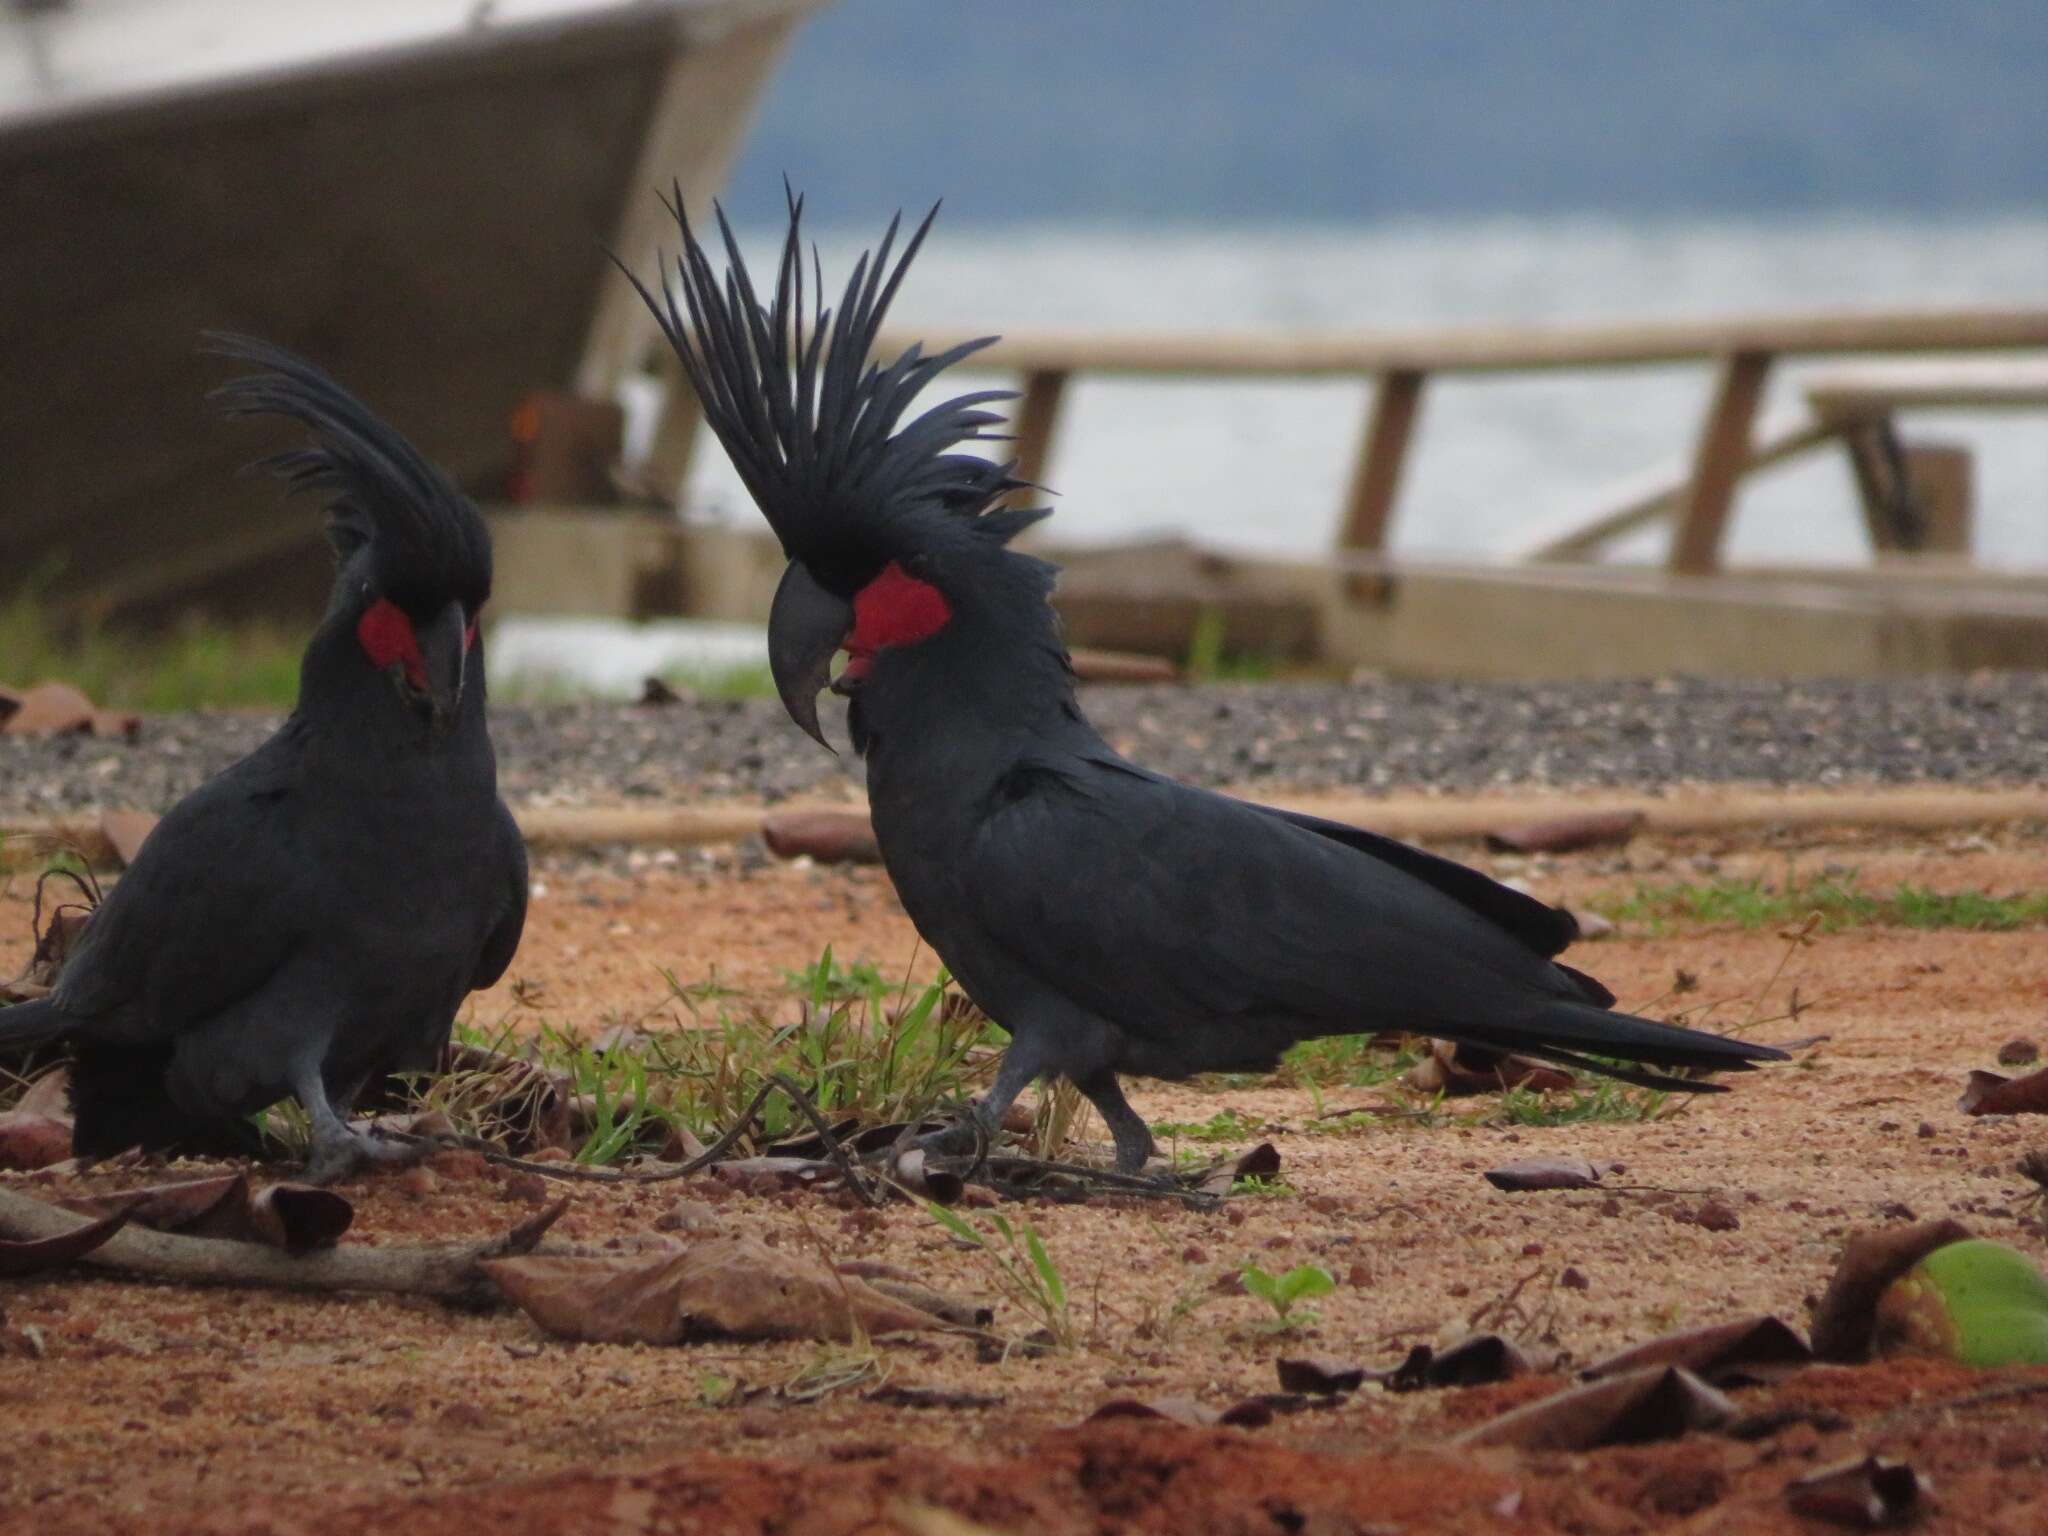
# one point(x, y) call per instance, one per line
point(1977, 384)
point(1658, 494)
point(1505, 349)
point(1718, 463)
point(1382, 450)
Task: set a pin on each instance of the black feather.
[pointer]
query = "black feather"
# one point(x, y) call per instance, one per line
point(426, 539)
point(814, 427)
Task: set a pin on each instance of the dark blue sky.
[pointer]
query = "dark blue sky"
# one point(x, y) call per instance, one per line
point(1347, 110)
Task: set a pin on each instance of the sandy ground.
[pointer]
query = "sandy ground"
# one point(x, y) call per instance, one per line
point(163, 1409)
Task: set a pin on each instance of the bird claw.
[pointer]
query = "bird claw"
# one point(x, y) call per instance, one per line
point(356, 1151)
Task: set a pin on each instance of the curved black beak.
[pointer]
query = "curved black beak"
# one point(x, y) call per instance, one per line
point(806, 626)
point(444, 652)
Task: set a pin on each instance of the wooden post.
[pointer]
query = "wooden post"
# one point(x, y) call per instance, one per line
point(1718, 461)
point(1376, 479)
point(1037, 418)
point(1943, 479)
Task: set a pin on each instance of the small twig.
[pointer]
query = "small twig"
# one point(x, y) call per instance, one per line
point(1966, 1400)
point(833, 1150)
point(576, 1172)
point(1024, 1171)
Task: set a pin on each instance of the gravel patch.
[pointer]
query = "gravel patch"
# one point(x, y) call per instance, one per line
point(1378, 736)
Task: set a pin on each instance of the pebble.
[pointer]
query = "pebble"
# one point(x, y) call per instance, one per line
point(1375, 735)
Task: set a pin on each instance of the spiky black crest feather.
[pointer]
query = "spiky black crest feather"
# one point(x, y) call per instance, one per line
point(426, 539)
point(810, 422)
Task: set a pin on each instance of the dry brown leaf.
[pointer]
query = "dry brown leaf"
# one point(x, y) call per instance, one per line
point(50, 709)
point(1846, 1321)
point(1991, 1093)
point(732, 1287)
point(1323, 1377)
point(1657, 1403)
point(1536, 1173)
point(1470, 1362)
point(28, 1256)
point(31, 1139)
point(1749, 1351)
point(296, 1217)
point(1868, 1494)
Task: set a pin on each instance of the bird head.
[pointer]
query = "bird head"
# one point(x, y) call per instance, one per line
point(413, 555)
point(884, 525)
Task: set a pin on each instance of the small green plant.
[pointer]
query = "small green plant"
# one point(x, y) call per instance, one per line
point(1603, 1101)
point(1023, 1266)
point(1286, 1293)
point(1262, 1186)
point(1224, 1125)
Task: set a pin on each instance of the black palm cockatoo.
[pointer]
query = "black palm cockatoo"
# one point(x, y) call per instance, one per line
point(1110, 919)
point(316, 913)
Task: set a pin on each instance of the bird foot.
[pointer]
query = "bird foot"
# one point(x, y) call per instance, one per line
point(353, 1151)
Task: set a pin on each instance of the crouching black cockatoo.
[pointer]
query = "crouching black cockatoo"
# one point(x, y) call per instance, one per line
point(1111, 920)
point(315, 914)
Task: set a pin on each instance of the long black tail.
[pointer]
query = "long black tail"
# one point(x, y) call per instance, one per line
point(1579, 1035)
point(28, 1025)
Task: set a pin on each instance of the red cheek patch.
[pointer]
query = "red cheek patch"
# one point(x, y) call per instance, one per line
point(896, 609)
point(386, 636)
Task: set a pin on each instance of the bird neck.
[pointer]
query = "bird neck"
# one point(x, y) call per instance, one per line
point(994, 684)
point(354, 724)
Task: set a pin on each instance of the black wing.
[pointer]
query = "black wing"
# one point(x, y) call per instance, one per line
point(203, 917)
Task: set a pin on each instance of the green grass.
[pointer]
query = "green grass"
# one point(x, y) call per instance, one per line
point(862, 1046)
point(187, 666)
point(1754, 904)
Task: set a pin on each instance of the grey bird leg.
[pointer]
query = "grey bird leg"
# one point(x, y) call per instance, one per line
point(1013, 1075)
point(338, 1149)
point(1126, 1126)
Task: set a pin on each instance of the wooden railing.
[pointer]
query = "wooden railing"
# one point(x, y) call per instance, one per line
point(1742, 350)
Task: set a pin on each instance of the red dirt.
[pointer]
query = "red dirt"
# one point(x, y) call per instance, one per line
point(157, 1409)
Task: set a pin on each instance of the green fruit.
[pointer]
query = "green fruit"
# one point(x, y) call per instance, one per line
point(1976, 1302)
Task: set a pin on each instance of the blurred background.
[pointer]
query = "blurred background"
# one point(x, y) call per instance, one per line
point(1550, 336)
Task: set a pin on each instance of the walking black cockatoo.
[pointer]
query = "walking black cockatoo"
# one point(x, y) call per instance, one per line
point(1110, 919)
point(315, 914)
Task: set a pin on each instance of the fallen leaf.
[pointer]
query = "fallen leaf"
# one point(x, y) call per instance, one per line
point(1458, 1070)
point(126, 832)
point(163, 1207)
point(1535, 1173)
point(298, 1217)
point(941, 1186)
point(30, 1139)
point(1869, 1493)
point(731, 1287)
point(1470, 1362)
point(27, 1257)
point(1989, 1093)
point(1261, 1162)
point(829, 837)
point(1750, 1351)
point(656, 693)
point(1656, 1403)
point(1322, 1376)
point(1563, 834)
point(1845, 1322)
point(898, 1285)
point(1251, 1413)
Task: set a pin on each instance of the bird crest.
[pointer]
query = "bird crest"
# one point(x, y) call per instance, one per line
point(812, 423)
point(425, 541)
